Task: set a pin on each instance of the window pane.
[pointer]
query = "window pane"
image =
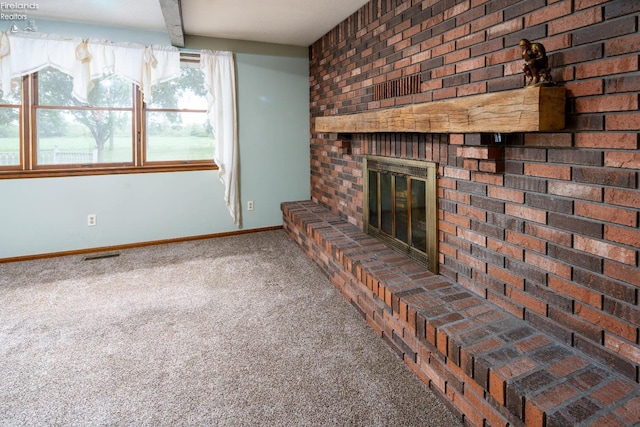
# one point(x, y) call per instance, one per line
point(55, 88)
point(9, 136)
point(186, 92)
point(15, 95)
point(84, 136)
point(179, 136)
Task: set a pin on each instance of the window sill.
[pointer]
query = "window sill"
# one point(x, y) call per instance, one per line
point(80, 170)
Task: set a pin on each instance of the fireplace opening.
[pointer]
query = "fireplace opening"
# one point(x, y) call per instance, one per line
point(400, 206)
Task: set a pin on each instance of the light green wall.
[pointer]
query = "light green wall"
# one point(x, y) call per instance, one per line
point(48, 215)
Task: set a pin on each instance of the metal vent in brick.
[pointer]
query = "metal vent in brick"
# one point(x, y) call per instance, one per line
point(398, 87)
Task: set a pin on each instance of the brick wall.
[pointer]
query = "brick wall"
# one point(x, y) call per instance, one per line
point(545, 225)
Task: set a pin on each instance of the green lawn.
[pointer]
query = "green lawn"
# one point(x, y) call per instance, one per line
point(158, 147)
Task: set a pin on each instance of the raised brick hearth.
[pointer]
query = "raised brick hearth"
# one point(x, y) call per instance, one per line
point(492, 367)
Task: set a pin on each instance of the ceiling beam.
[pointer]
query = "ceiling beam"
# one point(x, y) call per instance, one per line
point(172, 12)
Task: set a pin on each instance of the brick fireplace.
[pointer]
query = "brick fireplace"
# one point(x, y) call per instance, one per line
point(539, 225)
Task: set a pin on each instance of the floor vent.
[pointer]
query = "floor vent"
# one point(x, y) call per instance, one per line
point(100, 256)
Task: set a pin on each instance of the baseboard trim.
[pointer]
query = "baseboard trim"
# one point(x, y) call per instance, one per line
point(137, 244)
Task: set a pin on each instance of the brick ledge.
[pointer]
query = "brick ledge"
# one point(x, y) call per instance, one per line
point(492, 367)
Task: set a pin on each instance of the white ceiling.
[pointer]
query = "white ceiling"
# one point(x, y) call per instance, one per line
point(293, 22)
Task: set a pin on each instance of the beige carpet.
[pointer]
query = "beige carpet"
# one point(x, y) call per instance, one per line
point(233, 331)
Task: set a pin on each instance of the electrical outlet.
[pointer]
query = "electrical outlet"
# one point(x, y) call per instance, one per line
point(92, 220)
point(250, 205)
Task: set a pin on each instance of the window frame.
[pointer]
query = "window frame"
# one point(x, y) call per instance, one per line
point(29, 168)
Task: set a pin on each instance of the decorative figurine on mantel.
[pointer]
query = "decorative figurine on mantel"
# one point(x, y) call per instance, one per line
point(536, 66)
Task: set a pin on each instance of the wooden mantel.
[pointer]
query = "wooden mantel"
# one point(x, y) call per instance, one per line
point(531, 109)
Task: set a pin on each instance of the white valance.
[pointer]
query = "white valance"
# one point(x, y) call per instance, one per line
point(85, 60)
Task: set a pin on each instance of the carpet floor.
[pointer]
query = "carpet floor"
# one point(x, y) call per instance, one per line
point(232, 331)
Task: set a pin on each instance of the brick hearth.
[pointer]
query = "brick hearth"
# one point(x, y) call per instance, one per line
point(492, 367)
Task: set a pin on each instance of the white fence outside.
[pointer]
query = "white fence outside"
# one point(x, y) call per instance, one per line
point(52, 157)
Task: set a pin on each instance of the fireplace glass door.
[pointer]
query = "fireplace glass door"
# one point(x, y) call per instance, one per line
point(400, 201)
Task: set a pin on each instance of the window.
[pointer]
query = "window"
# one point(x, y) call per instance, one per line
point(44, 130)
point(176, 122)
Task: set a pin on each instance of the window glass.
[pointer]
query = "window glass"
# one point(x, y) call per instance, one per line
point(177, 125)
point(55, 88)
point(69, 132)
point(179, 136)
point(10, 126)
point(83, 136)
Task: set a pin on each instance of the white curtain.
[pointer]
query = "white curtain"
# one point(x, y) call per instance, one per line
point(85, 60)
point(220, 81)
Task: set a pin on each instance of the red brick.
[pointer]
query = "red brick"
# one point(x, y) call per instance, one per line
point(456, 34)
point(584, 88)
point(616, 391)
point(457, 219)
point(577, 292)
point(548, 234)
point(624, 273)
point(526, 241)
point(578, 191)
point(505, 28)
point(567, 366)
point(623, 121)
point(499, 376)
point(623, 102)
point(472, 212)
point(507, 304)
point(465, 407)
point(515, 196)
point(546, 14)
point(630, 411)
point(527, 300)
point(505, 249)
point(548, 264)
point(475, 397)
point(626, 236)
point(603, 320)
point(607, 67)
point(606, 213)
point(547, 171)
point(610, 140)
point(622, 159)
point(486, 22)
point(478, 152)
point(607, 420)
point(548, 140)
point(537, 405)
point(455, 56)
point(472, 262)
point(504, 56)
point(622, 45)
point(622, 347)
point(583, 4)
point(606, 250)
point(620, 197)
point(487, 178)
point(526, 213)
point(456, 196)
point(575, 20)
point(470, 40)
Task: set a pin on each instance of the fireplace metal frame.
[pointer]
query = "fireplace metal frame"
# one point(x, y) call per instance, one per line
point(417, 169)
